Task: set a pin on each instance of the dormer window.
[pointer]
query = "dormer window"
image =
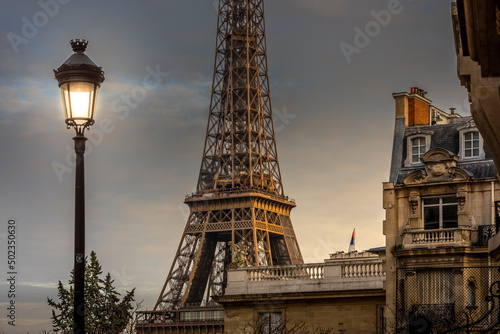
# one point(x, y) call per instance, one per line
point(471, 142)
point(471, 145)
point(418, 143)
point(418, 148)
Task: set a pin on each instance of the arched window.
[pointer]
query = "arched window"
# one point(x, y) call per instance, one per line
point(471, 294)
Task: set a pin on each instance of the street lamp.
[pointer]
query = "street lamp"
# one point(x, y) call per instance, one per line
point(79, 79)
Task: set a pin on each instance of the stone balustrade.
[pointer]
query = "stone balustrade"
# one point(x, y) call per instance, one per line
point(363, 270)
point(336, 276)
point(309, 271)
point(313, 271)
point(456, 237)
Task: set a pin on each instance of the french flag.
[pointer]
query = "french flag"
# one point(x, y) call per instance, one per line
point(352, 248)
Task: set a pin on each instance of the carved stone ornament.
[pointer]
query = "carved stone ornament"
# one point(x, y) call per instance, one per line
point(416, 178)
point(461, 197)
point(471, 221)
point(407, 226)
point(239, 253)
point(440, 166)
point(469, 125)
point(418, 131)
point(414, 199)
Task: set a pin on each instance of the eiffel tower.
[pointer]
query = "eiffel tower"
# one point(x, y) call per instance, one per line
point(239, 197)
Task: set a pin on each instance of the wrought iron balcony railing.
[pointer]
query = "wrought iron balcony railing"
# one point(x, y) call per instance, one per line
point(484, 233)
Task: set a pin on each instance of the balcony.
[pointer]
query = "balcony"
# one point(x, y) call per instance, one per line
point(451, 237)
point(485, 233)
point(360, 275)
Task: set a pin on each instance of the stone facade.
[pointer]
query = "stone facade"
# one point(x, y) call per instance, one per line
point(476, 27)
point(345, 294)
point(440, 208)
point(343, 313)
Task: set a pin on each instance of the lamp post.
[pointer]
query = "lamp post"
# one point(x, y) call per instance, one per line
point(79, 79)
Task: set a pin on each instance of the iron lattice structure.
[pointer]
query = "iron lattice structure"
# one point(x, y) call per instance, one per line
point(448, 300)
point(239, 196)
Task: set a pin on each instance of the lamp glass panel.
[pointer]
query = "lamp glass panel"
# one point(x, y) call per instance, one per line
point(78, 101)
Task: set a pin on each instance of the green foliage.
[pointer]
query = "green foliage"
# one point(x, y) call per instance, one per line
point(104, 311)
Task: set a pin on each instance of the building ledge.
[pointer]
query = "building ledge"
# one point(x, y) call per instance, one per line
point(443, 257)
point(307, 278)
point(289, 297)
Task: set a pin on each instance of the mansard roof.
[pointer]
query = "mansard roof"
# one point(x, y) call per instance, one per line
point(444, 137)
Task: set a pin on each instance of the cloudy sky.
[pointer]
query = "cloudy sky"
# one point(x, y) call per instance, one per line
point(334, 114)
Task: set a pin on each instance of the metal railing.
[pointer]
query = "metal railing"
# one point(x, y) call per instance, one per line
point(239, 191)
point(448, 300)
point(484, 233)
point(181, 316)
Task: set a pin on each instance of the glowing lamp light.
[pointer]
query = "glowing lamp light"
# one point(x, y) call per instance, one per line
point(79, 79)
point(79, 102)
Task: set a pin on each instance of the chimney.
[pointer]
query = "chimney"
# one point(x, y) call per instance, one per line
point(418, 108)
point(452, 111)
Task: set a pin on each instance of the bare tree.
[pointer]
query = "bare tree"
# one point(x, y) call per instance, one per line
point(130, 329)
point(281, 327)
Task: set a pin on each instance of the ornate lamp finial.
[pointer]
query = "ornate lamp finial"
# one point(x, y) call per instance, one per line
point(79, 45)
